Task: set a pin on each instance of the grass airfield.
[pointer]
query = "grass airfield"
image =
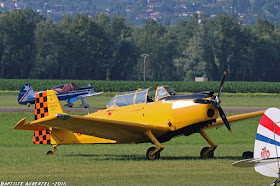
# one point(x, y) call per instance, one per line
point(126, 164)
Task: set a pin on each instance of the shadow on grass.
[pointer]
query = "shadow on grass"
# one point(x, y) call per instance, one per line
point(143, 157)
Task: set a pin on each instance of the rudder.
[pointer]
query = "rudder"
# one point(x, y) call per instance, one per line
point(46, 103)
point(25, 92)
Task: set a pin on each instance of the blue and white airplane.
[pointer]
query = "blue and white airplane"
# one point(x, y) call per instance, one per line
point(27, 95)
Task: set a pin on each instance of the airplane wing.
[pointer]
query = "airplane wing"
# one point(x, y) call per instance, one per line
point(219, 122)
point(84, 96)
point(121, 131)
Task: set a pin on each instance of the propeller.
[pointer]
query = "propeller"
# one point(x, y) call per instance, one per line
point(216, 102)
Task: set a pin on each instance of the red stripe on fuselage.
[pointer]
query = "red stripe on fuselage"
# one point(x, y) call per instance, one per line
point(269, 124)
point(23, 96)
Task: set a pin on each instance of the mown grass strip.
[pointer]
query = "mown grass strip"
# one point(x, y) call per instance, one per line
point(125, 164)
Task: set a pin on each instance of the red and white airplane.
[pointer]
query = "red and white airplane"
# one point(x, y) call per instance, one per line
point(266, 156)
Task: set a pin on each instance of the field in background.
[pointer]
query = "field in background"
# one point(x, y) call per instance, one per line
point(126, 164)
point(121, 86)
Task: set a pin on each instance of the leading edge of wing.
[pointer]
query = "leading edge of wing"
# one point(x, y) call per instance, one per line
point(104, 128)
point(236, 118)
point(89, 95)
point(84, 96)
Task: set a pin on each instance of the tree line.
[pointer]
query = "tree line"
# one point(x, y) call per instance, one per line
point(110, 48)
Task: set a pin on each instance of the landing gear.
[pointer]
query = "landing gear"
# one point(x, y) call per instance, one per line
point(275, 182)
point(84, 103)
point(153, 153)
point(52, 151)
point(69, 104)
point(152, 156)
point(207, 152)
point(248, 155)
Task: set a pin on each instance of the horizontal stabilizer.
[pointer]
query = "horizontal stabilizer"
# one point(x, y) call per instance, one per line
point(24, 125)
point(255, 162)
point(31, 97)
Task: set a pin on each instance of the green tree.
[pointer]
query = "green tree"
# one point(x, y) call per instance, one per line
point(153, 39)
point(48, 39)
point(185, 30)
point(266, 51)
point(198, 58)
point(83, 49)
point(230, 47)
point(121, 51)
point(17, 38)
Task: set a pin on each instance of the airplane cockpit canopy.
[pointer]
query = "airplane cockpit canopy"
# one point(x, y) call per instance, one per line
point(140, 96)
point(164, 91)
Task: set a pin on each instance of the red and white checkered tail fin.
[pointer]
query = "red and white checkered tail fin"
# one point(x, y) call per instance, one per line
point(46, 103)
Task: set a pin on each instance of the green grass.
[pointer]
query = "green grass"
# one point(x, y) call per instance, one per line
point(126, 164)
point(250, 101)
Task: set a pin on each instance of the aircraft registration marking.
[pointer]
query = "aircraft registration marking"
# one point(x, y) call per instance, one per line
point(181, 104)
point(265, 153)
point(137, 110)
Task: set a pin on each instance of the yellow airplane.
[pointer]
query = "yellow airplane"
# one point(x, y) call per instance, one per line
point(140, 116)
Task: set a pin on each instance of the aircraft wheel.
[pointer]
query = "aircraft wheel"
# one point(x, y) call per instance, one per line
point(149, 155)
point(70, 106)
point(203, 154)
point(248, 155)
point(49, 153)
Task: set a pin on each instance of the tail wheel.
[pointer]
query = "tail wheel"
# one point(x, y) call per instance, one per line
point(151, 156)
point(206, 155)
point(49, 153)
point(248, 155)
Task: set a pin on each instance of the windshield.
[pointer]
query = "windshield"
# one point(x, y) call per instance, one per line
point(164, 91)
point(161, 93)
point(125, 100)
point(170, 90)
point(128, 98)
point(112, 102)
